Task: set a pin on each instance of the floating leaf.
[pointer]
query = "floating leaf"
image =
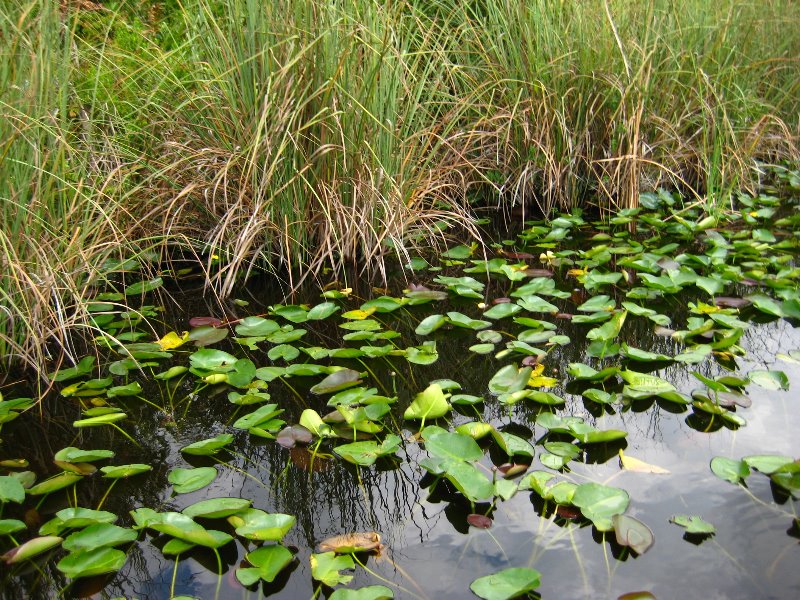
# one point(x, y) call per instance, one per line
point(428, 404)
point(430, 324)
point(326, 568)
point(337, 381)
point(11, 490)
point(124, 471)
point(350, 543)
point(99, 535)
point(189, 480)
point(144, 286)
point(366, 453)
point(371, 592)
point(209, 446)
point(31, 548)
point(268, 561)
point(733, 471)
point(634, 464)
point(633, 533)
point(258, 525)
point(9, 526)
point(55, 483)
point(693, 524)
point(506, 584)
point(216, 508)
point(509, 379)
point(770, 380)
point(599, 503)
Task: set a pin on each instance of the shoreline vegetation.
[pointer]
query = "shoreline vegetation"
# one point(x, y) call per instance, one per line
point(310, 135)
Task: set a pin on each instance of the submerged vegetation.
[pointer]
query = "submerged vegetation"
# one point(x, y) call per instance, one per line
point(305, 135)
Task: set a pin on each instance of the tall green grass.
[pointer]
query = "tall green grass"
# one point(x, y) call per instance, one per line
point(301, 135)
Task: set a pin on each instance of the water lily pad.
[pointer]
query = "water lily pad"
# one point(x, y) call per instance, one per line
point(599, 503)
point(124, 471)
point(770, 380)
point(509, 379)
point(184, 528)
point(31, 548)
point(142, 287)
point(366, 453)
point(371, 592)
point(268, 561)
point(217, 508)
point(461, 320)
point(99, 535)
point(428, 404)
point(11, 490)
point(207, 335)
point(188, 480)
point(733, 471)
point(55, 483)
point(84, 367)
point(209, 446)
point(449, 445)
point(327, 566)
point(258, 525)
point(506, 584)
point(430, 324)
point(337, 381)
point(633, 533)
point(9, 526)
point(694, 524)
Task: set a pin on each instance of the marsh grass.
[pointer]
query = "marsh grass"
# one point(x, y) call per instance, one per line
point(303, 135)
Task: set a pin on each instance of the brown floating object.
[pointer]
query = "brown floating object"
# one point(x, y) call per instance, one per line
point(207, 321)
point(479, 521)
point(729, 302)
point(349, 543)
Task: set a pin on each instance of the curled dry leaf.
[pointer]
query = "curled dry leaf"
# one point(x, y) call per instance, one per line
point(349, 543)
point(634, 464)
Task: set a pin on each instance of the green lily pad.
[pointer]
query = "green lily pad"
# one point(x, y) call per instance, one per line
point(430, 324)
point(55, 483)
point(694, 524)
point(255, 524)
point(506, 584)
point(509, 379)
point(327, 566)
point(451, 446)
point(428, 404)
point(9, 526)
point(184, 528)
point(337, 381)
point(599, 503)
point(11, 490)
point(124, 471)
point(733, 471)
point(371, 592)
point(770, 380)
point(99, 535)
point(31, 548)
point(268, 561)
point(217, 508)
point(366, 453)
point(188, 480)
point(209, 446)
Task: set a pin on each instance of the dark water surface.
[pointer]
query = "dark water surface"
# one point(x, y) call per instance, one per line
point(430, 550)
